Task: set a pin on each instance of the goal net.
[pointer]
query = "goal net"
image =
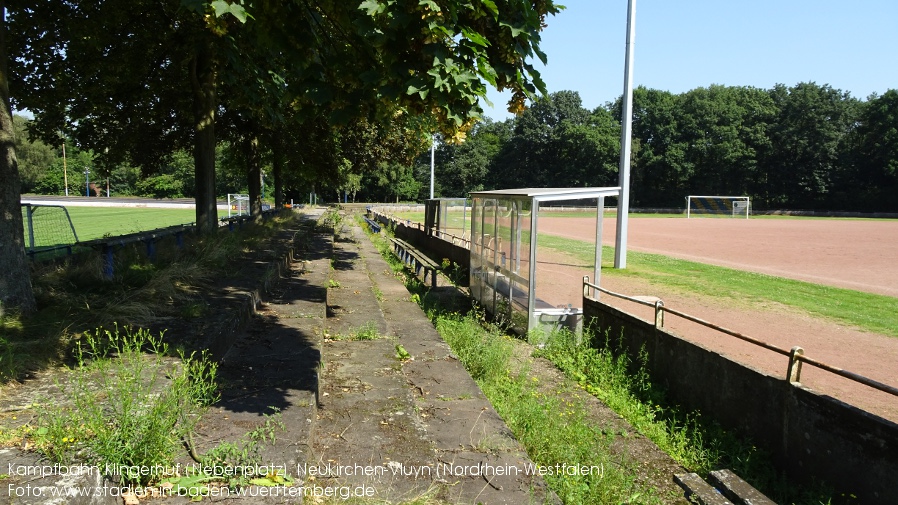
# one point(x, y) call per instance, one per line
point(718, 206)
point(47, 227)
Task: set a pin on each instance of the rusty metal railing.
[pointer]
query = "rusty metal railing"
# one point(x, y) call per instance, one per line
point(796, 354)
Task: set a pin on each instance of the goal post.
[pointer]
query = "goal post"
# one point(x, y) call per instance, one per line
point(724, 206)
point(47, 227)
point(238, 204)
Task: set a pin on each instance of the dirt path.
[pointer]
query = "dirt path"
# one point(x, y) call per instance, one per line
point(861, 259)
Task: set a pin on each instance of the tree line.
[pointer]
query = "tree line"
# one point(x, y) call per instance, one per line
point(804, 147)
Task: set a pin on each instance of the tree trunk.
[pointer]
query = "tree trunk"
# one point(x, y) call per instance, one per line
point(15, 273)
point(277, 168)
point(254, 177)
point(204, 81)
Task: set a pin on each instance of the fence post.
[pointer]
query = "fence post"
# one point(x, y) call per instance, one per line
point(108, 261)
point(151, 248)
point(659, 314)
point(29, 215)
point(794, 372)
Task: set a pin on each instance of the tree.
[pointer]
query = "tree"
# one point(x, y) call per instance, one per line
point(725, 128)
point(35, 158)
point(463, 168)
point(15, 281)
point(873, 184)
point(556, 143)
point(810, 132)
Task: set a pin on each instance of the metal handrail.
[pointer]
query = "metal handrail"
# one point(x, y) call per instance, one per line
point(796, 355)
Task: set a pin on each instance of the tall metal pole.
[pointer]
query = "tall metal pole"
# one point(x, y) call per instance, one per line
point(65, 170)
point(433, 143)
point(623, 201)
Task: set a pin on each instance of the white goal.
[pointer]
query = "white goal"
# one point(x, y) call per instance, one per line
point(238, 204)
point(721, 206)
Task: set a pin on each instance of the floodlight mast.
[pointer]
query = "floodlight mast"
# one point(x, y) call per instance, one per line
point(433, 143)
point(623, 201)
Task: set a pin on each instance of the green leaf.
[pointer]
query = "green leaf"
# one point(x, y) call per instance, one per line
point(491, 6)
point(487, 71)
point(372, 6)
point(401, 353)
point(238, 12)
point(220, 7)
point(515, 31)
point(475, 37)
point(430, 3)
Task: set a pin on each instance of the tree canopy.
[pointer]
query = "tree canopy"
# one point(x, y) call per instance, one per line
point(137, 80)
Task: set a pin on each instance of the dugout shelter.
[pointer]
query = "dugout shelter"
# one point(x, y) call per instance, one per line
point(504, 228)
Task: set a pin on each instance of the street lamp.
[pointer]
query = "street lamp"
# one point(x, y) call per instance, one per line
point(433, 145)
point(623, 201)
point(87, 182)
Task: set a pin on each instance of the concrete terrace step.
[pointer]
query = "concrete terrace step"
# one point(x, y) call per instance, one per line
point(401, 429)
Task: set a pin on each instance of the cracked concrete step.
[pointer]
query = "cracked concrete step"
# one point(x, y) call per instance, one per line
point(722, 488)
point(272, 370)
point(423, 423)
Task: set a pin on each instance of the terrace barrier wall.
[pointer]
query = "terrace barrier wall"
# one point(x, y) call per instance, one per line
point(810, 435)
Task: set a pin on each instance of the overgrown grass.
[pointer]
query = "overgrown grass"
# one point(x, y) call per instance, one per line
point(699, 444)
point(73, 296)
point(553, 431)
point(130, 408)
point(368, 331)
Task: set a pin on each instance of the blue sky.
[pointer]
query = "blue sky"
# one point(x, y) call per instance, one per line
point(685, 44)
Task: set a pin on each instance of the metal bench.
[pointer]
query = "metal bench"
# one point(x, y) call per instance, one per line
point(373, 225)
point(417, 260)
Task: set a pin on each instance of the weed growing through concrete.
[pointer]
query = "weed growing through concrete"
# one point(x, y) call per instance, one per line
point(552, 433)
point(368, 331)
point(238, 464)
point(131, 405)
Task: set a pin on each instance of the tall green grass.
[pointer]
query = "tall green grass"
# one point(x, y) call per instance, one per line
point(555, 431)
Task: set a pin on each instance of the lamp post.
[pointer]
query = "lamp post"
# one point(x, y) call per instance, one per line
point(65, 170)
point(433, 143)
point(87, 182)
point(623, 201)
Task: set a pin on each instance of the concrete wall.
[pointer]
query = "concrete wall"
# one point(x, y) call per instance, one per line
point(811, 436)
